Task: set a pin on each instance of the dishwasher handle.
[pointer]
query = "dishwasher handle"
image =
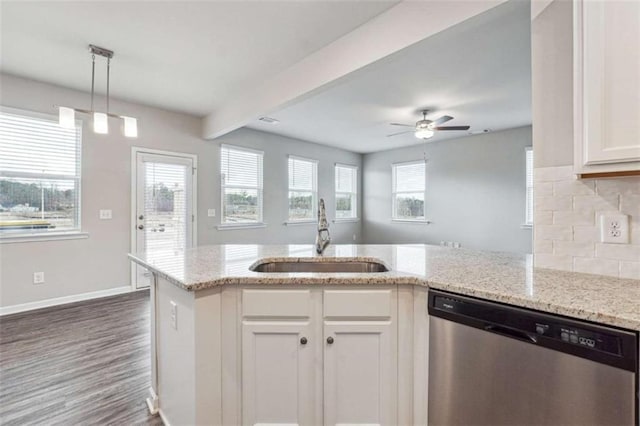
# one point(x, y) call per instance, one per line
point(511, 332)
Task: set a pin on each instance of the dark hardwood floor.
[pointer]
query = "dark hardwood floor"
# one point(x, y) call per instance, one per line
point(77, 364)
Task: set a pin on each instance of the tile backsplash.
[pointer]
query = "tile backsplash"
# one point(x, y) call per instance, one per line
point(567, 217)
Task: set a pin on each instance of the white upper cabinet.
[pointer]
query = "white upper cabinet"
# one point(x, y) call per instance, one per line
point(606, 86)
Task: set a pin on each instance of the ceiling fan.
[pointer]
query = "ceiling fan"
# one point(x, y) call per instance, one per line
point(425, 129)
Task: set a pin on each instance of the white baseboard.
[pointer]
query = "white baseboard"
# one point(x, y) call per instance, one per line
point(23, 307)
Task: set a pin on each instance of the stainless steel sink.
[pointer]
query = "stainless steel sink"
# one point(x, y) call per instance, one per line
point(323, 266)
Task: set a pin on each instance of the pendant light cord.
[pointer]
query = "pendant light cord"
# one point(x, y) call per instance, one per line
point(93, 77)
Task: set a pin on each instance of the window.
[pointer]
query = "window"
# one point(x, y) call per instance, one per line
point(303, 189)
point(346, 192)
point(39, 174)
point(241, 170)
point(529, 177)
point(409, 191)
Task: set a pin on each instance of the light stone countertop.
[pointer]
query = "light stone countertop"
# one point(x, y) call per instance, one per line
point(503, 277)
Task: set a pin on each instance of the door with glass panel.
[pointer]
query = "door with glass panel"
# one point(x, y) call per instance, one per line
point(164, 211)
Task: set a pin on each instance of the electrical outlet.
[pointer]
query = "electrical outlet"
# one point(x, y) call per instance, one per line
point(106, 214)
point(614, 229)
point(38, 277)
point(174, 315)
point(211, 212)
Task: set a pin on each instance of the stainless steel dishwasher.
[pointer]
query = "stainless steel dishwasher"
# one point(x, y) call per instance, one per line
point(495, 364)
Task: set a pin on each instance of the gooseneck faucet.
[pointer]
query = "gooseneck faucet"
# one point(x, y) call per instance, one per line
point(322, 238)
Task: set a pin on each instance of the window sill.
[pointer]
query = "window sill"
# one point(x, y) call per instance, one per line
point(234, 226)
point(425, 222)
point(526, 226)
point(300, 222)
point(7, 239)
point(347, 220)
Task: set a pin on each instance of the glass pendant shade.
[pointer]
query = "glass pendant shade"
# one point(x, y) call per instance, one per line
point(67, 117)
point(130, 127)
point(100, 123)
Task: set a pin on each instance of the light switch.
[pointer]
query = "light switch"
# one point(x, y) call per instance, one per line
point(105, 214)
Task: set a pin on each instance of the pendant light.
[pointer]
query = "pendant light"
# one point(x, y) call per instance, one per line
point(66, 115)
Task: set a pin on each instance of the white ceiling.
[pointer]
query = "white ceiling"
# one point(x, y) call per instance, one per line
point(188, 56)
point(478, 71)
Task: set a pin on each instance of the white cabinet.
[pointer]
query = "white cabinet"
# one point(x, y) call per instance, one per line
point(321, 356)
point(360, 374)
point(278, 360)
point(606, 86)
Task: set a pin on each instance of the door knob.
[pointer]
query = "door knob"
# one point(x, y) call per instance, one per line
point(140, 226)
point(330, 340)
point(303, 341)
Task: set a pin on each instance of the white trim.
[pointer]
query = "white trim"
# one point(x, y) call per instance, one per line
point(29, 306)
point(395, 218)
point(347, 220)
point(297, 157)
point(412, 221)
point(165, 422)
point(233, 226)
point(135, 150)
point(25, 238)
point(241, 148)
point(299, 222)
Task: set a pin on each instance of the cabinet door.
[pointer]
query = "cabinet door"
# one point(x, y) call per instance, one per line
point(360, 357)
point(278, 367)
point(607, 104)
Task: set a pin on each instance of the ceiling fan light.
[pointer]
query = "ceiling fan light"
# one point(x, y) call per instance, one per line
point(130, 127)
point(67, 117)
point(100, 123)
point(424, 133)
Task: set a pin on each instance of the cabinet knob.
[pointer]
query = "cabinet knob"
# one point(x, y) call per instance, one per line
point(330, 340)
point(140, 226)
point(303, 341)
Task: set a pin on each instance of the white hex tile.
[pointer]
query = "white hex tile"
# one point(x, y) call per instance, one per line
point(596, 266)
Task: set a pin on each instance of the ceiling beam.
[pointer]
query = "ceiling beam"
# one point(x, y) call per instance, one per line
point(401, 26)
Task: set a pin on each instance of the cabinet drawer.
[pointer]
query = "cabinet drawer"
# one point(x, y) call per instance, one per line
point(371, 304)
point(276, 303)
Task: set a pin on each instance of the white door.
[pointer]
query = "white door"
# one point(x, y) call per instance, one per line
point(358, 373)
point(278, 373)
point(163, 207)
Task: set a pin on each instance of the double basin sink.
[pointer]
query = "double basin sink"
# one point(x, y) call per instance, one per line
point(327, 266)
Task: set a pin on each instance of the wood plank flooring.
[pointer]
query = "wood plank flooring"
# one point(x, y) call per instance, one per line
point(85, 363)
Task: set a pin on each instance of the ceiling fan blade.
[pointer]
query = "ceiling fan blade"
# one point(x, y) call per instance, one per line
point(452, 128)
point(441, 120)
point(400, 124)
point(400, 133)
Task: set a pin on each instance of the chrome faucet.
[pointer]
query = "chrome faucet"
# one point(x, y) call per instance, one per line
point(322, 238)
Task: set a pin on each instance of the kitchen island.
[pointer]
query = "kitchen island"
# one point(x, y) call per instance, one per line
point(234, 346)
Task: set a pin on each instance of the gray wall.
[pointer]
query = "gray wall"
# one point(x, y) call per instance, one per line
point(475, 193)
point(552, 85)
point(99, 263)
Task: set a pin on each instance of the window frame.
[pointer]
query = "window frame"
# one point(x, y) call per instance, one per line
point(74, 232)
point(529, 184)
point(353, 194)
point(314, 191)
point(394, 192)
point(259, 223)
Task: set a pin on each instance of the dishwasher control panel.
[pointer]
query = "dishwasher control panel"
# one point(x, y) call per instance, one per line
point(580, 338)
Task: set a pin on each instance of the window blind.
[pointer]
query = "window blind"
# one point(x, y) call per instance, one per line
point(39, 173)
point(303, 192)
point(529, 184)
point(346, 191)
point(241, 176)
point(409, 184)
